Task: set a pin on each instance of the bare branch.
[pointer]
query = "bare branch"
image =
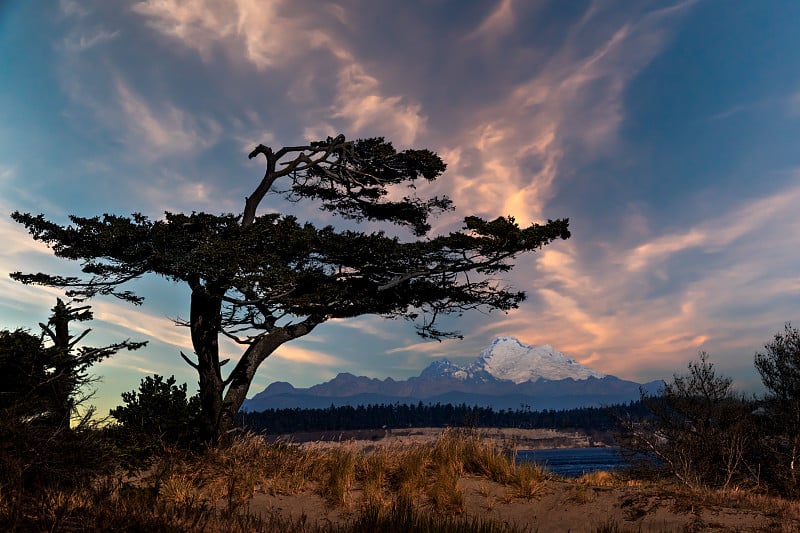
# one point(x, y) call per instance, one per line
point(189, 361)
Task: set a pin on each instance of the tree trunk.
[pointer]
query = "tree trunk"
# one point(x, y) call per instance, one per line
point(205, 320)
point(242, 375)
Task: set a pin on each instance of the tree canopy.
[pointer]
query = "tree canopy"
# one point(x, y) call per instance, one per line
point(266, 279)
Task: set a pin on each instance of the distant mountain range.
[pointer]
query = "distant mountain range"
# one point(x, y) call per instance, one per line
point(508, 374)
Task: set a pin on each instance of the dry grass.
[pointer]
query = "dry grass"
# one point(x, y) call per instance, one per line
point(371, 470)
point(213, 491)
point(528, 480)
point(771, 506)
point(602, 479)
point(408, 473)
point(444, 493)
point(581, 494)
point(336, 476)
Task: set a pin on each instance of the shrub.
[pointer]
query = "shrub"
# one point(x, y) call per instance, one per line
point(159, 414)
point(698, 429)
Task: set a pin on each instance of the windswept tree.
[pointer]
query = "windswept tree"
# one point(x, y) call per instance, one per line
point(265, 279)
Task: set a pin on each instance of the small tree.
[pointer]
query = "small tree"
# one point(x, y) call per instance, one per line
point(42, 385)
point(47, 382)
point(263, 280)
point(160, 412)
point(779, 367)
point(698, 428)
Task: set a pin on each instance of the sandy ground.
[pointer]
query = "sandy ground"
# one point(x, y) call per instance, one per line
point(563, 506)
point(559, 505)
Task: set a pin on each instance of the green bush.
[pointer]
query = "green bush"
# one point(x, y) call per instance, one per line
point(158, 414)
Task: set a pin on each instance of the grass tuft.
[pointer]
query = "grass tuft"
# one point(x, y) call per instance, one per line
point(528, 480)
point(337, 476)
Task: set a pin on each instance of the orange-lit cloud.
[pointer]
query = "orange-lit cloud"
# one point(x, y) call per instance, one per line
point(361, 104)
point(294, 354)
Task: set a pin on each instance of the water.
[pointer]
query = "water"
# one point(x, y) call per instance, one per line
point(574, 462)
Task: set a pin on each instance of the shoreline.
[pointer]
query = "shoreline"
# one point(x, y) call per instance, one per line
point(517, 438)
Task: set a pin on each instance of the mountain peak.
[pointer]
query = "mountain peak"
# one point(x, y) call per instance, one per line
point(441, 368)
point(506, 374)
point(507, 358)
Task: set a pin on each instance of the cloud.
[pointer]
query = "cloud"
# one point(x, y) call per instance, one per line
point(72, 8)
point(185, 194)
point(256, 30)
point(296, 354)
point(431, 348)
point(565, 116)
point(360, 103)
point(716, 234)
point(84, 41)
point(162, 130)
point(142, 325)
point(22, 253)
point(6, 174)
point(516, 132)
point(499, 21)
point(368, 325)
point(734, 281)
point(269, 36)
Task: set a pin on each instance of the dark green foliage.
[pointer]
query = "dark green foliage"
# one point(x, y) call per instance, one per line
point(779, 367)
point(703, 433)
point(25, 364)
point(45, 437)
point(278, 421)
point(264, 280)
point(158, 413)
point(45, 381)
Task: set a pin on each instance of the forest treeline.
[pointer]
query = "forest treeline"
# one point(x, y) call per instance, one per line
point(394, 416)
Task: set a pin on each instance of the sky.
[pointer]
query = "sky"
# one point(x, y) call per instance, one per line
point(666, 132)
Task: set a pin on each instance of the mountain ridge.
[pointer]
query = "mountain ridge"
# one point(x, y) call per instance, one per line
point(505, 375)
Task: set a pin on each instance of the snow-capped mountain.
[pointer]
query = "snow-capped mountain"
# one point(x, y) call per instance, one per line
point(441, 368)
point(506, 374)
point(507, 358)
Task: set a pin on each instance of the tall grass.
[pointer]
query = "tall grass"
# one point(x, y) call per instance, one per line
point(372, 469)
point(336, 476)
point(414, 487)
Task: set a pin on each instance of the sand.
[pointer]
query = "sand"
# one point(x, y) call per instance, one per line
point(558, 504)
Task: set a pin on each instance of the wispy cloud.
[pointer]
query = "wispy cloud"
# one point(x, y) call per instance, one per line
point(6, 174)
point(72, 8)
point(258, 31)
point(431, 348)
point(563, 117)
point(85, 41)
point(716, 233)
point(270, 36)
point(297, 354)
point(517, 130)
point(499, 21)
point(733, 280)
point(164, 129)
point(368, 113)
